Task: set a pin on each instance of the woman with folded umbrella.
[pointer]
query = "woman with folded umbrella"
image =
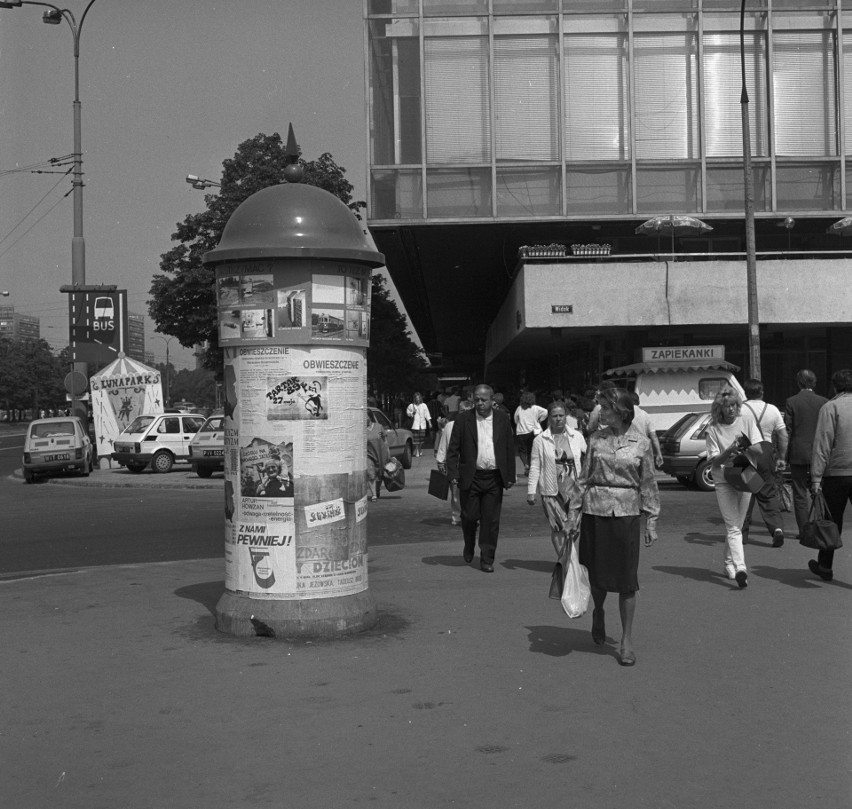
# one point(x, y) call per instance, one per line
point(554, 467)
point(731, 430)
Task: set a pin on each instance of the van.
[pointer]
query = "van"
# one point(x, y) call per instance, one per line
point(675, 380)
point(160, 440)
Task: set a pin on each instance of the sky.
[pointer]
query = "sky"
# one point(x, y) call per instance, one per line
point(168, 88)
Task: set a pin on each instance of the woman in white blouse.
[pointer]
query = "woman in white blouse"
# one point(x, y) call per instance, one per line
point(555, 462)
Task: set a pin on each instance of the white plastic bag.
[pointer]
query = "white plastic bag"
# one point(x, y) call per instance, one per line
point(575, 596)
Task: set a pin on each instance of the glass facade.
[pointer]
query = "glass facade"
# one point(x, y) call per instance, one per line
point(575, 108)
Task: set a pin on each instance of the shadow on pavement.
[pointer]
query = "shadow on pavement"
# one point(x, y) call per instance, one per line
point(701, 574)
point(537, 566)
point(206, 593)
point(560, 641)
point(802, 579)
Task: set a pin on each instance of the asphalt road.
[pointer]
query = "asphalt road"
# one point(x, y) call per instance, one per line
point(57, 527)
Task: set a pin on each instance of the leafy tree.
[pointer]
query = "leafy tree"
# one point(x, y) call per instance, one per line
point(183, 302)
point(30, 375)
point(394, 362)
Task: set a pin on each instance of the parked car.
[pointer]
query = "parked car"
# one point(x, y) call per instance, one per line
point(400, 440)
point(207, 448)
point(160, 440)
point(684, 451)
point(57, 445)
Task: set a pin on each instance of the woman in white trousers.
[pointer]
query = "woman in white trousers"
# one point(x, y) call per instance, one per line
point(731, 430)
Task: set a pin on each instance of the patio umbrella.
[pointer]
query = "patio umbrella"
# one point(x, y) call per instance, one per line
point(680, 225)
point(842, 227)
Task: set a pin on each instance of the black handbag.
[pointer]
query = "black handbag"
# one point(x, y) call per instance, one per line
point(820, 532)
point(557, 581)
point(393, 475)
point(439, 484)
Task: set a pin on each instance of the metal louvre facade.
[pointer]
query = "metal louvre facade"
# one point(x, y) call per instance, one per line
point(489, 109)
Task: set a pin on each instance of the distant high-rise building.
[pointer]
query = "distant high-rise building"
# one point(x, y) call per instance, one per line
point(135, 336)
point(15, 326)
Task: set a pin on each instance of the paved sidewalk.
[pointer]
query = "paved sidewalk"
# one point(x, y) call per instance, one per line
point(474, 690)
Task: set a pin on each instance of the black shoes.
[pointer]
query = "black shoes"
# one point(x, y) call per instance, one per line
point(823, 573)
point(486, 567)
point(468, 557)
point(777, 538)
point(741, 578)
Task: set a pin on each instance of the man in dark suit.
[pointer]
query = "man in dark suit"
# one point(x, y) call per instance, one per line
point(800, 417)
point(481, 458)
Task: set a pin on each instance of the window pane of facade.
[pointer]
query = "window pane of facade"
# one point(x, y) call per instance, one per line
point(525, 98)
point(529, 191)
point(725, 188)
point(458, 192)
point(392, 7)
point(439, 8)
point(668, 190)
point(722, 86)
point(847, 94)
point(808, 186)
point(396, 194)
point(524, 6)
point(458, 118)
point(395, 97)
point(666, 71)
point(598, 190)
point(596, 97)
point(804, 92)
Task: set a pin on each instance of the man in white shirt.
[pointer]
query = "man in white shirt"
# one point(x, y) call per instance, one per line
point(770, 422)
point(481, 458)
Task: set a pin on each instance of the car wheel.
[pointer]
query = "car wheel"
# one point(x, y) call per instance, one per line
point(204, 471)
point(29, 477)
point(704, 478)
point(407, 455)
point(136, 468)
point(162, 461)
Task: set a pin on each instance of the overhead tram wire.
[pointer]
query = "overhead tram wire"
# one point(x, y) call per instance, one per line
point(21, 221)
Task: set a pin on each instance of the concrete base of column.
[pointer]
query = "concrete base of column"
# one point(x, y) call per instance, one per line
point(323, 618)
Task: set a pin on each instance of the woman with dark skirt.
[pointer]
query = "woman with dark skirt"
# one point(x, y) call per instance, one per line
point(616, 486)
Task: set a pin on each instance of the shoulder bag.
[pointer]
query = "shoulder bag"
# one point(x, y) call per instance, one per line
point(820, 532)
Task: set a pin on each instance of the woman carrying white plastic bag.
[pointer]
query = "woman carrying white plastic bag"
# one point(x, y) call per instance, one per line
point(616, 486)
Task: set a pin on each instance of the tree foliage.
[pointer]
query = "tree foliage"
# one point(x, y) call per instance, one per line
point(31, 377)
point(394, 362)
point(183, 300)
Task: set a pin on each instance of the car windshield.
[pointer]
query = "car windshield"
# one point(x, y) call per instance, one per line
point(139, 424)
point(681, 425)
point(212, 425)
point(49, 429)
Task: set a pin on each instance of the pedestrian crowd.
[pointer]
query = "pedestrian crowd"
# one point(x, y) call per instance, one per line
point(590, 460)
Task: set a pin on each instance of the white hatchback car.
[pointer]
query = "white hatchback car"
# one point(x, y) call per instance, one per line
point(57, 445)
point(161, 440)
point(207, 448)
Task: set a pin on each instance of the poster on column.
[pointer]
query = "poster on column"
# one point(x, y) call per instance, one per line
point(289, 461)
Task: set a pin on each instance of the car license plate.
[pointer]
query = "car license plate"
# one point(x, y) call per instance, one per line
point(59, 456)
point(213, 453)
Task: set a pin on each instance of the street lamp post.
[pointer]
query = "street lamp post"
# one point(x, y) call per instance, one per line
point(166, 340)
point(748, 182)
point(199, 183)
point(54, 16)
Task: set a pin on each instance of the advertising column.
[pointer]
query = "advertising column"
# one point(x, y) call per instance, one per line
point(294, 334)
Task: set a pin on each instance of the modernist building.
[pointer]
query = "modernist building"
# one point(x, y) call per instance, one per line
point(15, 326)
point(136, 336)
point(499, 124)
